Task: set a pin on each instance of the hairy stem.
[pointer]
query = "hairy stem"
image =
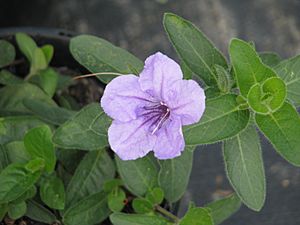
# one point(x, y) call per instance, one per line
point(167, 214)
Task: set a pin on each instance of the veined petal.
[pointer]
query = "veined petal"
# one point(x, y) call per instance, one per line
point(187, 100)
point(122, 96)
point(130, 140)
point(159, 73)
point(170, 141)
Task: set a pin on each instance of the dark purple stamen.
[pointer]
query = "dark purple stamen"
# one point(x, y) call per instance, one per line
point(155, 114)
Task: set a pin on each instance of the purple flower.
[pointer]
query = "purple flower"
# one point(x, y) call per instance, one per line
point(148, 111)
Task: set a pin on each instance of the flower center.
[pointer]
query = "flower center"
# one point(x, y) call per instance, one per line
point(155, 115)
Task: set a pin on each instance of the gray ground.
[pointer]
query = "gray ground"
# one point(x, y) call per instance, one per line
point(136, 25)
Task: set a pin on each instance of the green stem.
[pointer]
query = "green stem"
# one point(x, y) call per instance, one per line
point(167, 213)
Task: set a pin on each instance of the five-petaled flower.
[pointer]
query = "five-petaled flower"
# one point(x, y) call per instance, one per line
point(148, 111)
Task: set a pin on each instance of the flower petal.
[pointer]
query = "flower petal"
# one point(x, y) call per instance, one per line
point(170, 141)
point(187, 100)
point(122, 96)
point(130, 140)
point(159, 73)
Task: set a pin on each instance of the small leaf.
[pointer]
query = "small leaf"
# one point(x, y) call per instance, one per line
point(136, 219)
point(224, 208)
point(282, 128)
point(38, 62)
point(87, 130)
point(91, 210)
point(27, 45)
point(38, 143)
point(13, 128)
point(139, 175)
point(7, 53)
point(289, 71)
point(194, 48)
point(49, 113)
point(47, 80)
point(16, 152)
point(48, 51)
point(7, 78)
point(112, 184)
point(17, 210)
point(30, 193)
point(39, 213)
point(99, 55)
point(197, 216)
point(116, 200)
point(12, 96)
point(35, 165)
point(222, 119)
point(174, 175)
point(52, 192)
point(247, 65)
point(3, 210)
point(15, 180)
point(142, 206)
point(224, 80)
point(94, 169)
point(245, 169)
point(270, 58)
point(155, 196)
point(267, 97)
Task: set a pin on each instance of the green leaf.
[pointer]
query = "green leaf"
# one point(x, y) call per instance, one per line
point(155, 196)
point(197, 216)
point(187, 73)
point(52, 192)
point(17, 210)
point(39, 213)
point(13, 128)
point(3, 210)
point(245, 169)
point(35, 165)
point(289, 71)
point(30, 193)
point(194, 48)
point(38, 62)
point(282, 128)
point(7, 53)
point(87, 130)
point(224, 208)
point(16, 152)
point(47, 80)
point(94, 169)
point(224, 80)
point(12, 96)
point(247, 65)
point(90, 210)
point(112, 184)
point(142, 206)
point(136, 219)
point(99, 55)
point(14, 181)
point(4, 159)
point(140, 175)
point(48, 51)
point(116, 200)
point(222, 119)
point(174, 175)
point(38, 143)
point(26, 45)
point(7, 78)
point(270, 59)
point(49, 113)
point(267, 97)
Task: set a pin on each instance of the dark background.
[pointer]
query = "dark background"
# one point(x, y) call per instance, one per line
point(274, 25)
